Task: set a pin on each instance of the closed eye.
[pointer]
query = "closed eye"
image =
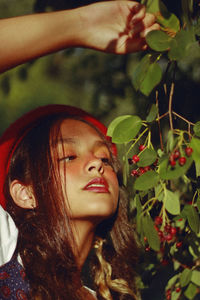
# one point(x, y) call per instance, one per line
point(106, 160)
point(68, 158)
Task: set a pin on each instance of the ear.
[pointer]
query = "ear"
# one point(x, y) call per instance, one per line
point(22, 194)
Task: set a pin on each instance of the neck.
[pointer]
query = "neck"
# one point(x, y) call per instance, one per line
point(84, 236)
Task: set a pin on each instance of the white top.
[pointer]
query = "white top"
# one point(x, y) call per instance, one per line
point(8, 240)
point(8, 237)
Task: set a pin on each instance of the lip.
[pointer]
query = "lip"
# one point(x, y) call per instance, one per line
point(97, 185)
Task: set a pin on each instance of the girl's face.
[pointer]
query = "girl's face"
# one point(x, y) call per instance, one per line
point(89, 182)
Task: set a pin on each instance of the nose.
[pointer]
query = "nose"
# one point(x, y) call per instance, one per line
point(95, 165)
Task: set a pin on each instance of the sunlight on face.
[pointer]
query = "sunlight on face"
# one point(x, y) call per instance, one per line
point(88, 179)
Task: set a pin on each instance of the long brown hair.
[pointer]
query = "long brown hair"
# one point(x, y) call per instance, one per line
point(46, 243)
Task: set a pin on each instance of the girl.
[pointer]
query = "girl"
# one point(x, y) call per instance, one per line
point(112, 26)
point(60, 182)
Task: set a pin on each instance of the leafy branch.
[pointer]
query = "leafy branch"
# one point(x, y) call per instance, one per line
point(163, 179)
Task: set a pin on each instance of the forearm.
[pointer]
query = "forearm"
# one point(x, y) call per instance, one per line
point(111, 26)
point(27, 37)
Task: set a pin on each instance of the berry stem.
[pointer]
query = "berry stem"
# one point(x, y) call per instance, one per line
point(194, 196)
point(170, 106)
point(159, 127)
point(149, 139)
point(136, 140)
point(125, 166)
point(148, 209)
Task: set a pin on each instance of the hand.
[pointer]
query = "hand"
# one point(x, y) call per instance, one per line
point(118, 26)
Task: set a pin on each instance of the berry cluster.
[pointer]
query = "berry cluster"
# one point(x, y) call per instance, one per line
point(169, 292)
point(135, 159)
point(176, 156)
point(168, 234)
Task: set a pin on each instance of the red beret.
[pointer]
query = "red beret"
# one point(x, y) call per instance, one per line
point(15, 133)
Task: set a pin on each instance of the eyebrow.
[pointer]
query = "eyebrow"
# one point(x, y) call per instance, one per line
point(69, 140)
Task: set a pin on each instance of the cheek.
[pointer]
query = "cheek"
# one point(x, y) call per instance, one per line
point(115, 185)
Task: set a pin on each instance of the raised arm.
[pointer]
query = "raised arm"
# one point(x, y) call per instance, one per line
point(114, 26)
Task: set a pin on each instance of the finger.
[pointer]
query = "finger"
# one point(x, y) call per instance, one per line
point(138, 16)
point(149, 20)
point(134, 6)
point(135, 45)
point(145, 23)
point(144, 33)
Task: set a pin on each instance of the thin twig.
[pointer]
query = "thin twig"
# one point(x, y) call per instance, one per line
point(189, 131)
point(159, 128)
point(184, 119)
point(170, 106)
point(164, 115)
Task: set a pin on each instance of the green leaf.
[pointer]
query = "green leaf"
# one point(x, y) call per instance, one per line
point(150, 233)
point(196, 277)
point(170, 141)
point(126, 129)
point(196, 129)
point(191, 291)
point(158, 40)
point(146, 75)
point(172, 203)
point(140, 71)
point(152, 79)
point(179, 45)
point(115, 122)
point(175, 295)
point(185, 277)
point(166, 172)
point(147, 157)
point(164, 17)
point(195, 144)
point(152, 114)
point(192, 217)
point(159, 192)
point(187, 11)
point(146, 181)
point(198, 202)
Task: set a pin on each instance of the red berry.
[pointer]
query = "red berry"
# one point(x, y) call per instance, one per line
point(155, 163)
point(168, 228)
point(179, 244)
point(141, 147)
point(142, 170)
point(164, 262)
point(147, 249)
point(135, 158)
point(168, 297)
point(145, 239)
point(182, 161)
point(178, 289)
point(168, 237)
point(176, 154)
point(188, 151)
point(158, 220)
point(173, 230)
point(147, 168)
point(134, 173)
point(172, 163)
point(168, 292)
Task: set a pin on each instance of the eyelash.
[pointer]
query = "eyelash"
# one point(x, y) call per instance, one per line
point(105, 160)
point(68, 158)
